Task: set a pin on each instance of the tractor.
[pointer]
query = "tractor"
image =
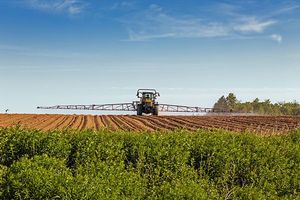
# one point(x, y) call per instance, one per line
point(147, 103)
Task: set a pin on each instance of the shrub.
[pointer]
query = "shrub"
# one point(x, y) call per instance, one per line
point(16, 143)
point(232, 160)
point(40, 177)
point(3, 172)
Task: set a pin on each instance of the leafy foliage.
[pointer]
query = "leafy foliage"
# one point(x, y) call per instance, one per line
point(41, 177)
point(16, 143)
point(231, 104)
point(3, 172)
point(162, 165)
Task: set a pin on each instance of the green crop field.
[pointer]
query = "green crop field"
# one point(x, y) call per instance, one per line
point(162, 165)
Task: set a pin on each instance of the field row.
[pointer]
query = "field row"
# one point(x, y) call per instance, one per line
point(258, 124)
point(129, 165)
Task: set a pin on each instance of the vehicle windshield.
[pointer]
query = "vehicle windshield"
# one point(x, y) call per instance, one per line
point(148, 95)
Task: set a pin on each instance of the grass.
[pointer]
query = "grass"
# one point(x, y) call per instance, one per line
point(161, 165)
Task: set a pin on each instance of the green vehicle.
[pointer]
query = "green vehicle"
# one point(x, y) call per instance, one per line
point(147, 103)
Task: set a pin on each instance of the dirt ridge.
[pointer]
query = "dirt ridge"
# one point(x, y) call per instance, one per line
point(257, 124)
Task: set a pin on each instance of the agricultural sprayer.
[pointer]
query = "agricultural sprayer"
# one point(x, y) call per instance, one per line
point(147, 104)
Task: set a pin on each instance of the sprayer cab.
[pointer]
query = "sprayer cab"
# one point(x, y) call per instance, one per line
point(147, 103)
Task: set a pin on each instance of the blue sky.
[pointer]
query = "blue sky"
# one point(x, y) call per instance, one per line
point(192, 51)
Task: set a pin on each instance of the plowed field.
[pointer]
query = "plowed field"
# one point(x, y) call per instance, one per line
point(257, 124)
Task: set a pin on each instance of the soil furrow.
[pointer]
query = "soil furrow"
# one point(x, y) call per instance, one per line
point(80, 122)
point(29, 122)
point(36, 122)
point(71, 125)
point(267, 125)
point(160, 124)
point(60, 124)
point(120, 121)
point(136, 124)
point(96, 122)
point(117, 124)
point(84, 123)
point(146, 123)
point(184, 125)
point(12, 120)
point(171, 122)
point(52, 124)
point(192, 123)
point(109, 123)
point(101, 121)
point(66, 124)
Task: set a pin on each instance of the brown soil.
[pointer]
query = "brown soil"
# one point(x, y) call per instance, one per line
point(258, 124)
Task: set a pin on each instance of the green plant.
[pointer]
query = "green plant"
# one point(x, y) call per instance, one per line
point(40, 177)
point(163, 165)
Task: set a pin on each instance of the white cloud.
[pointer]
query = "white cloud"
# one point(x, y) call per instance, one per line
point(276, 37)
point(71, 7)
point(155, 23)
point(286, 9)
point(252, 25)
point(124, 5)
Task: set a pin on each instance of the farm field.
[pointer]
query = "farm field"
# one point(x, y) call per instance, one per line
point(255, 124)
point(185, 164)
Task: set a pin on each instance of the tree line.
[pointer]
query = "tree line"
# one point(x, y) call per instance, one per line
point(266, 107)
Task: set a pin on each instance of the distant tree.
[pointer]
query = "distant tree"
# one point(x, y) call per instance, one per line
point(256, 105)
point(221, 105)
point(267, 107)
point(256, 100)
point(231, 101)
